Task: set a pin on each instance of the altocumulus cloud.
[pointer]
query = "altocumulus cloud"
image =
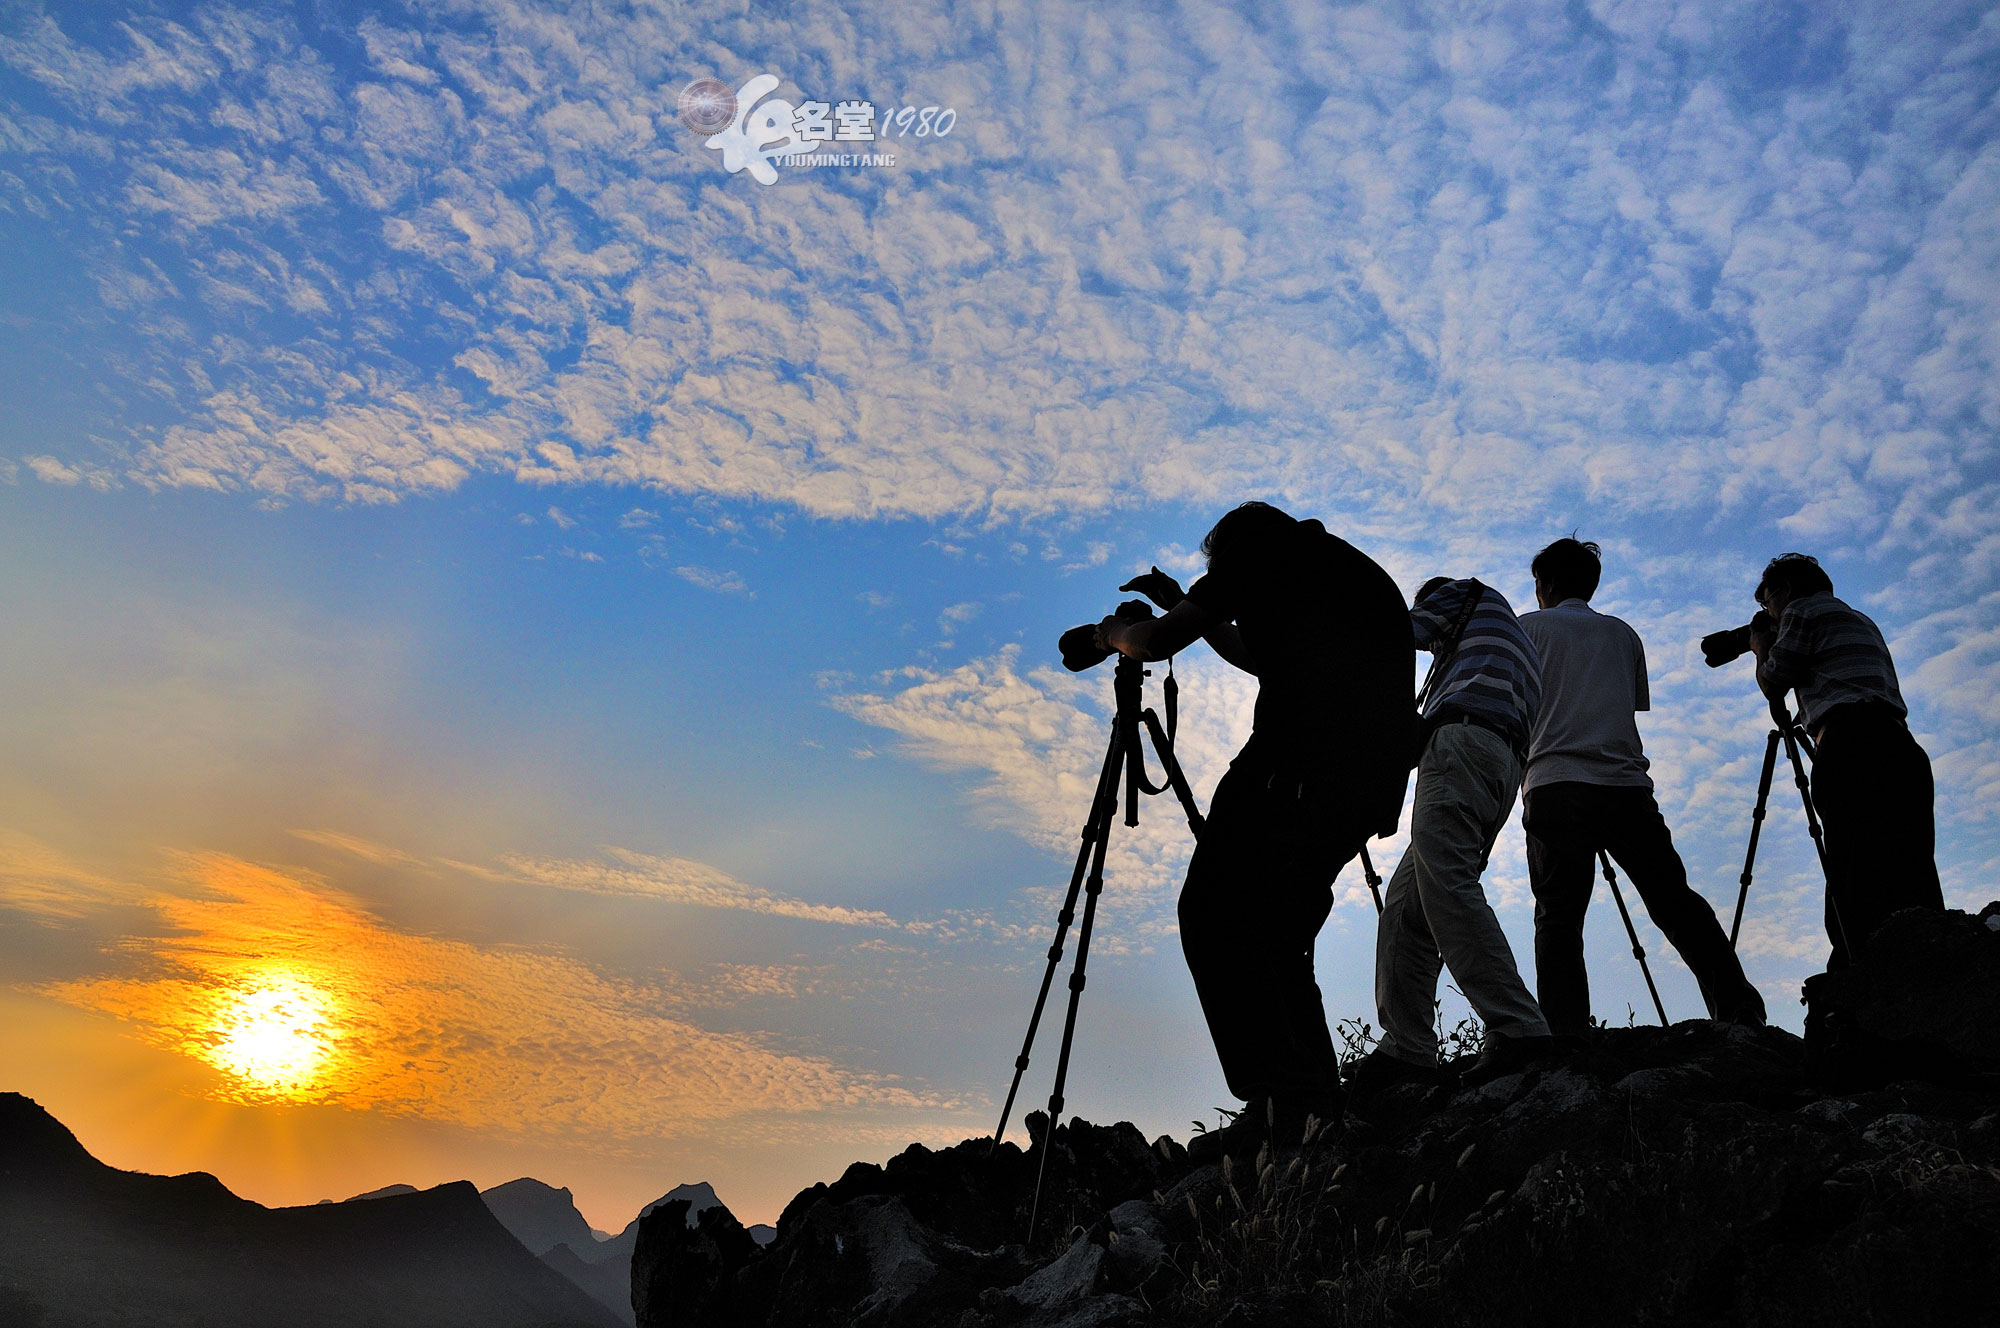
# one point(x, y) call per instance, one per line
point(1714, 267)
point(673, 880)
point(1664, 257)
point(496, 1038)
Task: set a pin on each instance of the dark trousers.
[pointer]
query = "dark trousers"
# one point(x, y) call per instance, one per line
point(1567, 825)
point(1872, 785)
point(1258, 890)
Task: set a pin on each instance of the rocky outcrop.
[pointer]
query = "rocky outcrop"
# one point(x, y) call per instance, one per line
point(1697, 1174)
point(1923, 1000)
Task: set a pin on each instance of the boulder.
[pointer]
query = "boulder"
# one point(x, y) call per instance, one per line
point(1923, 1001)
point(686, 1275)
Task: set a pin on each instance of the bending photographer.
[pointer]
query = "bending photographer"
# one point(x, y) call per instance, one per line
point(1587, 791)
point(1871, 781)
point(1327, 635)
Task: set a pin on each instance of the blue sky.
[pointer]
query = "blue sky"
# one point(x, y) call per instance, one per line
point(430, 476)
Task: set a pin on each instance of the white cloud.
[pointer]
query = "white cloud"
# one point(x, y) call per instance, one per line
point(709, 578)
point(674, 880)
point(1033, 743)
point(51, 471)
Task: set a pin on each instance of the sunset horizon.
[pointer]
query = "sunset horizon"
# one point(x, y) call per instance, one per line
point(532, 648)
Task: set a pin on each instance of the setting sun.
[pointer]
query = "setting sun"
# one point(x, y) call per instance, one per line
point(275, 1035)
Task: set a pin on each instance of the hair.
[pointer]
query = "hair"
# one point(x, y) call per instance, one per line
point(1569, 568)
point(1799, 574)
point(1250, 528)
point(1424, 591)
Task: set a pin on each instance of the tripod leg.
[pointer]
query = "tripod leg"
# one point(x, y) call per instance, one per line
point(1095, 831)
point(1756, 829)
point(1638, 950)
point(1374, 879)
point(1813, 828)
point(1093, 887)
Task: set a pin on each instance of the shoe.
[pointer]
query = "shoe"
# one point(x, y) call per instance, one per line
point(1506, 1055)
point(1380, 1070)
point(1748, 1013)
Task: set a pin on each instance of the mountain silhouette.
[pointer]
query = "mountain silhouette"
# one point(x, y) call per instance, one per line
point(83, 1244)
point(601, 1267)
point(540, 1216)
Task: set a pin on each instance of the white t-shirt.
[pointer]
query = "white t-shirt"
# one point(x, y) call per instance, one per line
point(1593, 682)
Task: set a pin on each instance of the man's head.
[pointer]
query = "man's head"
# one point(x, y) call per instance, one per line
point(1249, 532)
point(1429, 588)
point(1791, 576)
point(1567, 569)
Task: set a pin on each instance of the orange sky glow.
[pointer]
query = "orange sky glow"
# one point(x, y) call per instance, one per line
point(274, 991)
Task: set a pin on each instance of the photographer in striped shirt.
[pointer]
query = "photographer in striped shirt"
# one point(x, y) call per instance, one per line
point(1478, 709)
point(1871, 781)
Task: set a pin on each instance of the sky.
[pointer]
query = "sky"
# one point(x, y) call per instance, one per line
point(532, 652)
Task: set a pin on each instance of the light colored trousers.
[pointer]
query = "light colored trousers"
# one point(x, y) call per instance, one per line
point(1436, 913)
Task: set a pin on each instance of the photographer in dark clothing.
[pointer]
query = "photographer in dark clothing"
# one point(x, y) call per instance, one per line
point(1327, 634)
point(1871, 781)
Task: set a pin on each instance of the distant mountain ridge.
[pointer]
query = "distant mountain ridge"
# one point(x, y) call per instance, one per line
point(540, 1216)
point(85, 1244)
point(545, 1220)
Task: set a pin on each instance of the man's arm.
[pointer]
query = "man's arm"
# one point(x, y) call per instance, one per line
point(1642, 695)
point(1432, 616)
point(1227, 641)
point(1784, 658)
point(1157, 638)
point(1222, 636)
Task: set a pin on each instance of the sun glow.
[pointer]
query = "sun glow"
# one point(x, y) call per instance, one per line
point(274, 1035)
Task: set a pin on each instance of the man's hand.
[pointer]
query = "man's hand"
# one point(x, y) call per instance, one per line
point(1158, 587)
point(1131, 611)
point(1763, 631)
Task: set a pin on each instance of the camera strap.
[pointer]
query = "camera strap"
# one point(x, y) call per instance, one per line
point(1170, 696)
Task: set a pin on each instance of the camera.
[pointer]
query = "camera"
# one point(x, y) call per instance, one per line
point(1079, 646)
point(1719, 648)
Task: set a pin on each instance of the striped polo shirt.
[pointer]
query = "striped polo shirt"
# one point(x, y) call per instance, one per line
point(1495, 673)
point(1831, 654)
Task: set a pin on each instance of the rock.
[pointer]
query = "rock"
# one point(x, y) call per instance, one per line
point(1686, 1175)
point(1923, 1001)
point(1137, 1244)
point(684, 1275)
point(1073, 1276)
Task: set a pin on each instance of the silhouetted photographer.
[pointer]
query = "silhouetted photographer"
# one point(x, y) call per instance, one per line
point(1479, 704)
point(1327, 635)
point(1871, 782)
point(1587, 791)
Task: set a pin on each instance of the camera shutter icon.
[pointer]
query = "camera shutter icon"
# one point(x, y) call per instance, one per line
point(707, 106)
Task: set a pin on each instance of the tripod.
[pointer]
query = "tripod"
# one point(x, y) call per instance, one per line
point(1795, 739)
point(1125, 759)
